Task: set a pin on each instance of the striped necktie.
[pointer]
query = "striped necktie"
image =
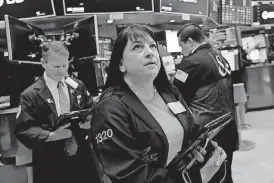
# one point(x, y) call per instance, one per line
point(70, 144)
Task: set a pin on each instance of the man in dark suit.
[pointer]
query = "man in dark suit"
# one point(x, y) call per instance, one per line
point(61, 155)
point(204, 80)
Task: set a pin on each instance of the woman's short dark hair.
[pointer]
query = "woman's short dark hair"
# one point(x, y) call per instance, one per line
point(115, 76)
point(193, 31)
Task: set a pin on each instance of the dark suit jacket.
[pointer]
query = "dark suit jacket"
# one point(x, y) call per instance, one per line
point(37, 119)
point(208, 91)
point(131, 144)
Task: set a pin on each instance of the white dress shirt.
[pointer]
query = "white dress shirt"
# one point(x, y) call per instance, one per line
point(52, 85)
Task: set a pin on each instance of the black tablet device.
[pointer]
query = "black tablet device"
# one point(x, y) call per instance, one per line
point(74, 117)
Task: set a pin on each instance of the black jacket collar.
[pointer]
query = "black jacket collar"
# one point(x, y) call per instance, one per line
point(202, 46)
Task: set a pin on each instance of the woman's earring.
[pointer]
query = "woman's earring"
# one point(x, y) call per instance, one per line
point(122, 69)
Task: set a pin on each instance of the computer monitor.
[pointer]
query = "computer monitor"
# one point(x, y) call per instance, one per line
point(224, 36)
point(230, 56)
point(260, 41)
point(105, 47)
point(27, 9)
point(172, 42)
point(21, 47)
point(106, 6)
point(263, 55)
point(258, 55)
point(83, 38)
point(248, 42)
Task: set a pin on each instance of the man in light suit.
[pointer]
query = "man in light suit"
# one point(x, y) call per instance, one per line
point(61, 155)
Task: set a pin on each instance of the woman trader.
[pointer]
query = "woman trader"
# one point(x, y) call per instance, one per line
point(141, 122)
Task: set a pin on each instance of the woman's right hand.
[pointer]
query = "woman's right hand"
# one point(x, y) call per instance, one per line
point(213, 164)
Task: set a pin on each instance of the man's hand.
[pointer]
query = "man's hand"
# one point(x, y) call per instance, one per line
point(86, 125)
point(60, 133)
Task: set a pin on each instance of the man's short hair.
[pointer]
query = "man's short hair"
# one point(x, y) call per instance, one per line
point(50, 47)
point(193, 31)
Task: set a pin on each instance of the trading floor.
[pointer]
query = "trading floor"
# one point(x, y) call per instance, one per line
point(256, 165)
point(252, 166)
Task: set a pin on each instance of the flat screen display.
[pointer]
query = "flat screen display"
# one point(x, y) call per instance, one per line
point(172, 42)
point(224, 36)
point(229, 55)
point(85, 38)
point(260, 41)
point(26, 8)
point(20, 47)
point(258, 55)
point(197, 7)
point(105, 6)
point(252, 42)
point(105, 47)
point(248, 42)
point(263, 13)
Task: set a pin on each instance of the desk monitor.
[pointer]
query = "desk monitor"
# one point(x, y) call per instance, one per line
point(229, 55)
point(225, 36)
point(260, 41)
point(172, 42)
point(248, 42)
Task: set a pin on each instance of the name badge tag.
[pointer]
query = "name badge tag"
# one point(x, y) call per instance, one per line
point(176, 107)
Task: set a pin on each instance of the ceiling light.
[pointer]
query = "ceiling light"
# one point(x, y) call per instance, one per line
point(172, 20)
point(109, 21)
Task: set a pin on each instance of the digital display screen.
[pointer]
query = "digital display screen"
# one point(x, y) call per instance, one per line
point(263, 13)
point(197, 7)
point(103, 6)
point(252, 42)
point(260, 41)
point(230, 56)
point(20, 46)
point(236, 12)
point(258, 55)
point(248, 43)
point(224, 36)
point(172, 42)
point(105, 47)
point(26, 8)
point(83, 36)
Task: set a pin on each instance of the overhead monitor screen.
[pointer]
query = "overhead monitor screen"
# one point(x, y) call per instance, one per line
point(20, 41)
point(263, 12)
point(197, 7)
point(26, 8)
point(105, 6)
point(83, 38)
